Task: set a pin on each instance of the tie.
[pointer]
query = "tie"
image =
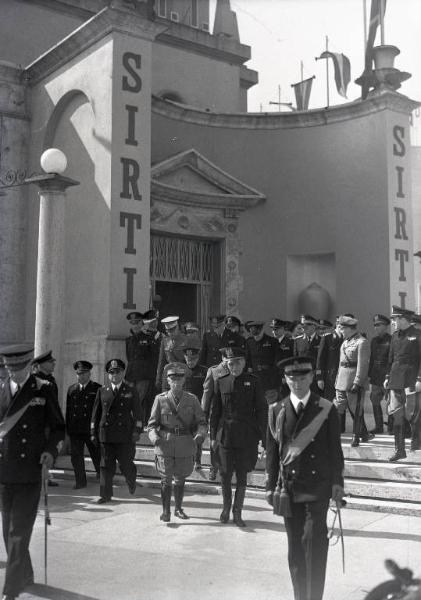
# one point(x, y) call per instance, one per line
point(300, 408)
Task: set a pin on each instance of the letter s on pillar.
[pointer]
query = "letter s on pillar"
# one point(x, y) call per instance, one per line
point(399, 148)
point(135, 83)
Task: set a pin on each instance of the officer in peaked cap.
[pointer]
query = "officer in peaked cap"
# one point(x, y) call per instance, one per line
point(308, 343)
point(116, 424)
point(212, 342)
point(237, 423)
point(379, 358)
point(230, 335)
point(301, 480)
point(176, 425)
point(171, 348)
point(403, 377)
point(80, 402)
point(285, 343)
point(32, 428)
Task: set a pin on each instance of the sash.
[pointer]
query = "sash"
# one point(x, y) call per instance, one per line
point(9, 422)
point(304, 437)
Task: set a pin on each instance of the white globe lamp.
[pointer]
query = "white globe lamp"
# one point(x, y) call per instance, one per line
point(53, 160)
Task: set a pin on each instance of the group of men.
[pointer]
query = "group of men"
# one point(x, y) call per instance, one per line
point(288, 390)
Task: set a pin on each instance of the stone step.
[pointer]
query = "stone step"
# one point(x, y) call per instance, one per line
point(379, 448)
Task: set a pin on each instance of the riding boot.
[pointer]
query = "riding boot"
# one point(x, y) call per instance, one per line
point(378, 419)
point(365, 436)
point(166, 491)
point(343, 422)
point(178, 497)
point(399, 433)
point(227, 500)
point(240, 493)
point(355, 431)
point(390, 424)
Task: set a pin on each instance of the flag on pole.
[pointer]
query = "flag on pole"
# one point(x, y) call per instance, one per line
point(302, 91)
point(342, 70)
point(378, 8)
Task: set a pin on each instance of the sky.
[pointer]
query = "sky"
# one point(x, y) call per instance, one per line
point(282, 33)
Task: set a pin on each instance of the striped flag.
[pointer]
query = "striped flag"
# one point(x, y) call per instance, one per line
point(342, 70)
point(378, 8)
point(302, 91)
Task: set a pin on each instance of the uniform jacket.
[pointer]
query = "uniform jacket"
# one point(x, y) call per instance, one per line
point(171, 350)
point(167, 415)
point(114, 417)
point(329, 354)
point(379, 358)
point(195, 380)
point(304, 346)
point(79, 408)
point(285, 348)
point(142, 352)
point(320, 465)
point(209, 352)
point(40, 429)
point(404, 358)
point(353, 362)
point(261, 358)
point(237, 417)
point(212, 375)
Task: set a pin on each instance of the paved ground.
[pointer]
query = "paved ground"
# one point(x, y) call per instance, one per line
point(122, 551)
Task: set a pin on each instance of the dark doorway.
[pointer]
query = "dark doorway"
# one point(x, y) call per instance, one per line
point(177, 299)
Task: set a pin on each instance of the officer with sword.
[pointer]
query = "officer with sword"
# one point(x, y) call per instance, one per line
point(304, 470)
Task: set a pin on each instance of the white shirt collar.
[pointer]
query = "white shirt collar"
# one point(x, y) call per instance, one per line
point(296, 400)
point(116, 386)
point(14, 385)
point(281, 338)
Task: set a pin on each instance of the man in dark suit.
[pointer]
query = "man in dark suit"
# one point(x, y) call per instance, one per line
point(116, 424)
point(327, 363)
point(31, 429)
point(80, 402)
point(237, 423)
point(304, 470)
point(377, 369)
point(212, 342)
point(308, 343)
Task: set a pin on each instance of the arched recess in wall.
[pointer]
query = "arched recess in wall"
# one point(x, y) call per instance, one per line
point(171, 96)
point(73, 98)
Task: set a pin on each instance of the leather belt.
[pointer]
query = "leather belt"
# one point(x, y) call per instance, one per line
point(350, 365)
point(176, 430)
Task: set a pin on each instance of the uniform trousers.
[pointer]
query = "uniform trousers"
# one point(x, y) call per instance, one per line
point(177, 468)
point(110, 453)
point(236, 460)
point(19, 510)
point(346, 399)
point(396, 406)
point(307, 548)
point(77, 455)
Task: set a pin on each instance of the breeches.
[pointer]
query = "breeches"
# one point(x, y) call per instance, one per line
point(345, 399)
point(177, 468)
point(19, 510)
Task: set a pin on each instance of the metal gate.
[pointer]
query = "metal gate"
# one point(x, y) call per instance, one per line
point(188, 260)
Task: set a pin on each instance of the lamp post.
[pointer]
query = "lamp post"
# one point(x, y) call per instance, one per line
point(50, 301)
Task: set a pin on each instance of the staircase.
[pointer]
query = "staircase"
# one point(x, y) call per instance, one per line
point(371, 482)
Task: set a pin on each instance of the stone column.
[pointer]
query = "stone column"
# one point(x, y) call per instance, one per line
point(50, 299)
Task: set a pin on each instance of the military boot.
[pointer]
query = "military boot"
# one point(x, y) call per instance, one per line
point(227, 500)
point(240, 493)
point(178, 497)
point(378, 419)
point(399, 453)
point(166, 491)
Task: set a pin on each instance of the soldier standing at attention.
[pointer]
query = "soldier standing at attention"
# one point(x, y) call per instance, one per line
point(212, 342)
point(379, 358)
point(403, 377)
point(32, 428)
point(237, 423)
point(116, 424)
point(171, 349)
point(176, 425)
point(80, 402)
point(352, 377)
point(304, 469)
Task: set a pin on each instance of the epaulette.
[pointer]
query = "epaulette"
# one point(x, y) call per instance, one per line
point(40, 382)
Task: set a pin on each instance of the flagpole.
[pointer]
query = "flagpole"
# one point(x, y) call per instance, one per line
point(302, 71)
point(382, 22)
point(365, 24)
point(327, 72)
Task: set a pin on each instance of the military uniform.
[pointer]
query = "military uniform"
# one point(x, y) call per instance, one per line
point(261, 358)
point(307, 482)
point(115, 418)
point(39, 428)
point(171, 350)
point(79, 406)
point(308, 346)
point(213, 373)
point(327, 363)
point(237, 423)
point(352, 373)
point(379, 359)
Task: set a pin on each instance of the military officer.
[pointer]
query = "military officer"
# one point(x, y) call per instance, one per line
point(31, 429)
point(285, 347)
point(212, 342)
point(327, 363)
point(304, 469)
point(262, 354)
point(176, 424)
point(237, 423)
point(403, 378)
point(80, 402)
point(213, 373)
point(116, 424)
point(352, 376)
point(171, 349)
point(379, 358)
point(231, 334)
point(308, 343)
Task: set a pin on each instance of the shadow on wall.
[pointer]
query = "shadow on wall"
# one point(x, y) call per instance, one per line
point(311, 285)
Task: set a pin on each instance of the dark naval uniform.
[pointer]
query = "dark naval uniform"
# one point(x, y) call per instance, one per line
point(307, 483)
point(79, 406)
point(377, 370)
point(114, 421)
point(261, 358)
point(327, 363)
point(39, 429)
